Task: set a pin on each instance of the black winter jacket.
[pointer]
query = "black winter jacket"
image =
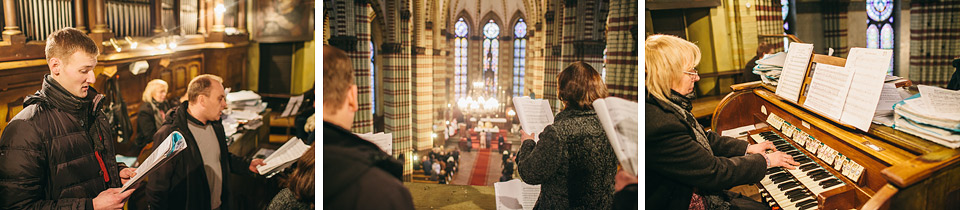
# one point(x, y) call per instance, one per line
point(573, 162)
point(676, 164)
point(181, 183)
point(57, 153)
point(146, 123)
point(358, 175)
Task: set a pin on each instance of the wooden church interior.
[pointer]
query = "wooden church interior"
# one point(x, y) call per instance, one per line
point(440, 75)
point(902, 170)
point(264, 46)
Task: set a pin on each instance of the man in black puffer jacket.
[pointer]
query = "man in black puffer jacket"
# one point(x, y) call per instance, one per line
point(356, 173)
point(58, 152)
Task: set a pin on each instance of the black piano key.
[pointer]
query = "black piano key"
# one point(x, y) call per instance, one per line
point(815, 172)
point(824, 177)
point(831, 183)
point(795, 192)
point(801, 204)
point(809, 166)
point(788, 185)
point(795, 199)
point(773, 170)
point(809, 206)
point(795, 153)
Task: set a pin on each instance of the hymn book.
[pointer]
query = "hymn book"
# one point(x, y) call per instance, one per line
point(534, 114)
point(619, 119)
point(284, 156)
point(170, 147)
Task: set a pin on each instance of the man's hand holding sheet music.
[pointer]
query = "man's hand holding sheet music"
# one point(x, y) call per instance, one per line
point(254, 163)
point(126, 174)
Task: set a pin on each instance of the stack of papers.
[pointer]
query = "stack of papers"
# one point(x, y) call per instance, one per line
point(514, 195)
point(382, 140)
point(932, 115)
point(769, 67)
point(284, 156)
point(619, 120)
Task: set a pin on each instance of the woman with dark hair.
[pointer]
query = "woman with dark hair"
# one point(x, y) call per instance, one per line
point(573, 161)
point(299, 192)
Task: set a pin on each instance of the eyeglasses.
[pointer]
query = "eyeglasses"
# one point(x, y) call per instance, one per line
point(692, 73)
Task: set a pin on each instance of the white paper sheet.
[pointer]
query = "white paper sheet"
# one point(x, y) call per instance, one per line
point(828, 90)
point(794, 70)
point(736, 132)
point(534, 115)
point(888, 97)
point(941, 100)
point(289, 152)
point(619, 119)
point(774, 60)
point(243, 95)
point(292, 106)
point(869, 68)
point(515, 195)
point(170, 146)
point(383, 140)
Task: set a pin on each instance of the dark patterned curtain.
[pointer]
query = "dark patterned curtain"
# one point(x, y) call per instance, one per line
point(770, 22)
point(934, 40)
point(835, 26)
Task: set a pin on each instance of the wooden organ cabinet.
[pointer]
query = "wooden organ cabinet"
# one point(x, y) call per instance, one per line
point(896, 170)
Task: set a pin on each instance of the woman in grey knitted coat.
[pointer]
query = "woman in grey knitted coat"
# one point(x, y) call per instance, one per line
point(573, 160)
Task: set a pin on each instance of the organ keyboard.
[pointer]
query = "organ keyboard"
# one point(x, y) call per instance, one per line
point(841, 167)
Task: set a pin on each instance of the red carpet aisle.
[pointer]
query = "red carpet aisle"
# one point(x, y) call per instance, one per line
point(479, 175)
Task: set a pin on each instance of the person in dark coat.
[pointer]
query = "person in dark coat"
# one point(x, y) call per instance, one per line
point(299, 191)
point(573, 161)
point(686, 166)
point(196, 178)
point(58, 152)
point(356, 173)
point(153, 109)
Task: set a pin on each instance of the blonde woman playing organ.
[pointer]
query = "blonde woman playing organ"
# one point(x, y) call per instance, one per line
point(686, 166)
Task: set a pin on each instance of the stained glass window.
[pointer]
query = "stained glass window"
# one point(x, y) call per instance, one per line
point(880, 31)
point(373, 81)
point(519, 56)
point(491, 51)
point(460, 59)
point(603, 71)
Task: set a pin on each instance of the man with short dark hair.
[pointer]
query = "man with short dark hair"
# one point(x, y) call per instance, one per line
point(58, 152)
point(195, 178)
point(356, 173)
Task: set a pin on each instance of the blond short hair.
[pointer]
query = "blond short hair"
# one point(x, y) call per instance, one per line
point(152, 87)
point(201, 85)
point(667, 57)
point(63, 43)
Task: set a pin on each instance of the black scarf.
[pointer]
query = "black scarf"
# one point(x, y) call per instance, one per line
point(84, 109)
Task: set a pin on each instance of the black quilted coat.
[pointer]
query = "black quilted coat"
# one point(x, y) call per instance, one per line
point(57, 153)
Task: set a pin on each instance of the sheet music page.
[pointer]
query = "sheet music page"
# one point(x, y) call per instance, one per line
point(888, 97)
point(529, 195)
point(828, 89)
point(292, 106)
point(289, 152)
point(534, 115)
point(170, 146)
point(516, 195)
point(869, 68)
point(383, 140)
point(618, 117)
point(794, 70)
point(941, 100)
